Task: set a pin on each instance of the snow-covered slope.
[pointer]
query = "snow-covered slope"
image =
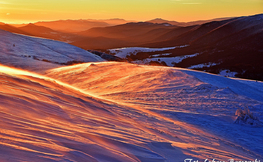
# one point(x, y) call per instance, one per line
point(198, 109)
point(42, 119)
point(39, 54)
point(128, 113)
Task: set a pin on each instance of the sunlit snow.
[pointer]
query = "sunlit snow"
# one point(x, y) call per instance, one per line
point(120, 112)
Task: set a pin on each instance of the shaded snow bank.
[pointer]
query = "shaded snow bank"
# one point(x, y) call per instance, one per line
point(223, 82)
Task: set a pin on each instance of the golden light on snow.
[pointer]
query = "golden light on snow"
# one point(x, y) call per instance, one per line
point(90, 112)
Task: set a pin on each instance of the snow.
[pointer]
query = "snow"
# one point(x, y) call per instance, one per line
point(227, 73)
point(116, 111)
point(197, 108)
point(202, 65)
point(170, 61)
point(124, 52)
point(235, 85)
point(167, 25)
point(252, 83)
point(28, 52)
point(43, 119)
point(163, 54)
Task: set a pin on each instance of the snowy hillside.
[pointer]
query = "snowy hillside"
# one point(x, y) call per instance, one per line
point(198, 108)
point(119, 112)
point(39, 54)
point(123, 112)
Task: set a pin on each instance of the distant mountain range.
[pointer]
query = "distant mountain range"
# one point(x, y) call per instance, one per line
point(232, 45)
point(176, 23)
point(80, 25)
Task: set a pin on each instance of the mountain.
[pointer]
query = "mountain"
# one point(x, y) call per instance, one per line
point(124, 112)
point(72, 26)
point(230, 45)
point(115, 21)
point(234, 45)
point(39, 54)
point(227, 46)
point(162, 21)
point(184, 24)
point(123, 31)
point(130, 34)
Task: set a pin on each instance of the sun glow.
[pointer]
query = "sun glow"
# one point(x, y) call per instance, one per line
point(16, 11)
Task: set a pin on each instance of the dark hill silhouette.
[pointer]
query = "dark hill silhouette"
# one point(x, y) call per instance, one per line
point(101, 43)
point(233, 44)
point(210, 34)
point(126, 35)
point(123, 31)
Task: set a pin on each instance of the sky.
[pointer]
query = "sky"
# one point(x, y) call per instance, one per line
point(24, 11)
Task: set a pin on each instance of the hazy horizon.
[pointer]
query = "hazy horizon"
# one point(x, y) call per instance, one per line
point(17, 12)
point(128, 20)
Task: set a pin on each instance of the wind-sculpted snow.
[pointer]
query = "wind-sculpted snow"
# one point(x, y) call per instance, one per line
point(190, 112)
point(39, 54)
point(44, 119)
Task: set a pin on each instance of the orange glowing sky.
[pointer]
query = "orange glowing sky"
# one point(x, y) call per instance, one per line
point(24, 11)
